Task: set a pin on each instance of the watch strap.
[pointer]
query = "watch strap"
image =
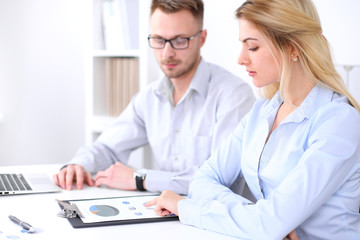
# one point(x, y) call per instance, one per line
point(140, 183)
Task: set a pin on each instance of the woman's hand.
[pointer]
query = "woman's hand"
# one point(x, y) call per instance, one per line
point(166, 203)
point(292, 236)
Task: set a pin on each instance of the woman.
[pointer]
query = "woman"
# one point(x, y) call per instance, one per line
point(298, 148)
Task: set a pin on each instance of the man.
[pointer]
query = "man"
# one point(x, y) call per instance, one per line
point(184, 116)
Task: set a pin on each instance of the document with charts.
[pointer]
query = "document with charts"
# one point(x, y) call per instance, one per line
point(115, 209)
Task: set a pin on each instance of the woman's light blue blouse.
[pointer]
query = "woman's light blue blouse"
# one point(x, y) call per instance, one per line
point(306, 177)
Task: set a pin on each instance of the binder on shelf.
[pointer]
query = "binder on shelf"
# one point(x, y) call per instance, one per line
point(122, 83)
point(108, 84)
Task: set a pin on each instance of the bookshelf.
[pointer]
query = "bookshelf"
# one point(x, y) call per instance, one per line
point(111, 68)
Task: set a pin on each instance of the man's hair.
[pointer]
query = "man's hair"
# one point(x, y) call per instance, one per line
point(196, 7)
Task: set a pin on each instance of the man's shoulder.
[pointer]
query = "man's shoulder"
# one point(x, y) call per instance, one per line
point(222, 80)
point(150, 87)
point(220, 75)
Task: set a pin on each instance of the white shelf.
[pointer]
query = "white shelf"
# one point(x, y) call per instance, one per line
point(97, 110)
point(124, 53)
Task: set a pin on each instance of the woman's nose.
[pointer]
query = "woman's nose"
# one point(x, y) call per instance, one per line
point(242, 60)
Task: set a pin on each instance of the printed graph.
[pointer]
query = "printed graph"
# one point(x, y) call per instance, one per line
point(104, 210)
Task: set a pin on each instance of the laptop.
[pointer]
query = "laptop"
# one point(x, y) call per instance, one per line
point(21, 183)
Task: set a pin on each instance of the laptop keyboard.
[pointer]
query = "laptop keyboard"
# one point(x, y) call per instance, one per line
point(13, 182)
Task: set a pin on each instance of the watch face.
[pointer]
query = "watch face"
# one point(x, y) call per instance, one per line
point(141, 172)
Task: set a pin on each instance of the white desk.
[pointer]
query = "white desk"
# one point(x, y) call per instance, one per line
point(40, 210)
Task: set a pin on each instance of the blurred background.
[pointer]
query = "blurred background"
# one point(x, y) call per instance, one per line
point(47, 63)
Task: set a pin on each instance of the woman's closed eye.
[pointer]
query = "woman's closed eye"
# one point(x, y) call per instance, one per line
point(254, 49)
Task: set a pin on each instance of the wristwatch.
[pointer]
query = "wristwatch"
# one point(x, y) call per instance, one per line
point(140, 176)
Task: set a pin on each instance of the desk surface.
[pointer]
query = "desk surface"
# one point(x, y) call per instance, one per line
point(40, 210)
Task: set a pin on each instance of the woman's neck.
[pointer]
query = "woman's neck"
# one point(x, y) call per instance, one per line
point(298, 88)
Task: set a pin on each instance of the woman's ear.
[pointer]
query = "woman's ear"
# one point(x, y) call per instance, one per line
point(294, 54)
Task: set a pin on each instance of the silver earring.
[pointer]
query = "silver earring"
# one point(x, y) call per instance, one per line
point(295, 59)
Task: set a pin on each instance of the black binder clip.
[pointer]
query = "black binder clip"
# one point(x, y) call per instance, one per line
point(68, 210)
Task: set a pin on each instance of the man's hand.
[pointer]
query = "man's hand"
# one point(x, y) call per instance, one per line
point(118, 176)
point(166, 203)
point(73, 173)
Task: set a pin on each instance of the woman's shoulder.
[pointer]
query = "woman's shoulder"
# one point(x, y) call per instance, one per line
point(337, 118)
point(339, 108)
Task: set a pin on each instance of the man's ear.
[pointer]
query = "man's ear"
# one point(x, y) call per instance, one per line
point(203, 36)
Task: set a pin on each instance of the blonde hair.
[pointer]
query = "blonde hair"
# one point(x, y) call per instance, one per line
point(296, 23)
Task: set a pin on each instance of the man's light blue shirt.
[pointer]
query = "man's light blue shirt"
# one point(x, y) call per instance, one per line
point(306, 177)
point(181, 137)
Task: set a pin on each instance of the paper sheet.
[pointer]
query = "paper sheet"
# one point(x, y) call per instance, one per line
point(115, 209)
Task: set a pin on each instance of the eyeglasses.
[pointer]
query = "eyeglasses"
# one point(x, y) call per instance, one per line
point(176, 43)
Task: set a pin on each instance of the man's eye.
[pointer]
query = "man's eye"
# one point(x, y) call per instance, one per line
point(179, 41)
point(158, 40)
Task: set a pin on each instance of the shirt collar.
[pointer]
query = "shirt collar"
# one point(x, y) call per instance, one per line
point(164, 89)
point(317, 98)
point(199, 83)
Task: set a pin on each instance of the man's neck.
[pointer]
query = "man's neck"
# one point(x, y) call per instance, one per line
point(180, 88)
point(181, 84)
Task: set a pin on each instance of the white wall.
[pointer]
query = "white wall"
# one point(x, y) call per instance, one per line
point(341, 26)
point(41, 80)
point(340, 21)
point(42, 68)
point(222, 45)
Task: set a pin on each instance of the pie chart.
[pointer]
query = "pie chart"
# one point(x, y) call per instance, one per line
point(104, 210)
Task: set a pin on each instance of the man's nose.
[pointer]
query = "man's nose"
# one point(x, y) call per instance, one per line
point(168, 50)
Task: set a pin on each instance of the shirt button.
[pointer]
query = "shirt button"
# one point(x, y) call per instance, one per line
point(176, 158)
point(177, 130)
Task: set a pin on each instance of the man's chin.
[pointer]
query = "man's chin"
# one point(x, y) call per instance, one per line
point(171, 74)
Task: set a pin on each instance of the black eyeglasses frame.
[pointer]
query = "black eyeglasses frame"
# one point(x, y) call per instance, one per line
point(170, 41)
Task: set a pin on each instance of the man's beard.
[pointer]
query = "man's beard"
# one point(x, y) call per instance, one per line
point(170, 73)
